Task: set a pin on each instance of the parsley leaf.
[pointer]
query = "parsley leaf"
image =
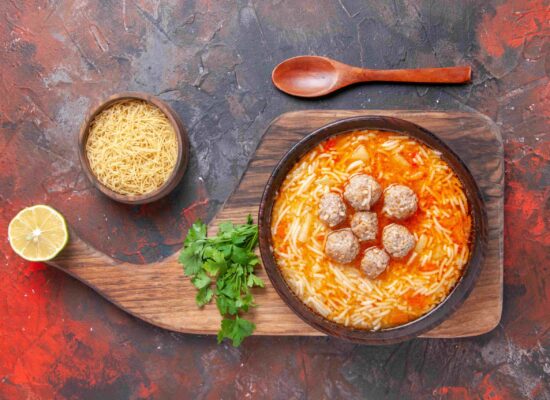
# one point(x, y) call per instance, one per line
point(228, 259)
point(253, 280)
point(191, 255)
point(235, 329)
point(204, 296)
point(201, 280)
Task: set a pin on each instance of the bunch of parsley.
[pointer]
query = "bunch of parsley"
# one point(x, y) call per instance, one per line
point(229, 259)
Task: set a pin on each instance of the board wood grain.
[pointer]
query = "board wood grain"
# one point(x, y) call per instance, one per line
point(160, 294)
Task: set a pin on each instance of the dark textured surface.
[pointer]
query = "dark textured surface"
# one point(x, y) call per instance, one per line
point(212, 61)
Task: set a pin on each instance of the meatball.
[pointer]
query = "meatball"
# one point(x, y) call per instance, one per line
point(332, 210)
point(364, 225)
point(342, 246)
point(397, 240)
point(400, 202)
point(362, 192)
point(374, 262)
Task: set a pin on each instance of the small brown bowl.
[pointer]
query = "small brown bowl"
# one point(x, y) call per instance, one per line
point(478, 239)
point(183, 148)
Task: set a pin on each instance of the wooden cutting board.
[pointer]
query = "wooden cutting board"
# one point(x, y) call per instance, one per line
point(160, 294)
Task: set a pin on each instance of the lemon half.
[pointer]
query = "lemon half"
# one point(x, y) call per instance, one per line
point(38, 233)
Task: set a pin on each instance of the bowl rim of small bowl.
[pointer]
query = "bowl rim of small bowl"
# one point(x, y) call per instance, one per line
point(478, 238)
point(181, 135)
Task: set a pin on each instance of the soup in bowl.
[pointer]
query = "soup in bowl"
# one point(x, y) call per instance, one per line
point(372, 229)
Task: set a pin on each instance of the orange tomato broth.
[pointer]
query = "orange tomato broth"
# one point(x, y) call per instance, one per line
point(409, 287)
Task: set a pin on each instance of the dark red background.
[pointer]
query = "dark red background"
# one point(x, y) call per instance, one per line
point(211, 60)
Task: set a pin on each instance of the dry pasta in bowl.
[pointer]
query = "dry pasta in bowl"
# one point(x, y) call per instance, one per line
point(133, 147)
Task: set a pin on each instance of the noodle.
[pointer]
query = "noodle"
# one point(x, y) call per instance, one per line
point(410, 287)
point(132, 148)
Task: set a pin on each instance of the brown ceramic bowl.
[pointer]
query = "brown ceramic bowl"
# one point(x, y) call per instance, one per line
point(181, 161)
point(428, 321)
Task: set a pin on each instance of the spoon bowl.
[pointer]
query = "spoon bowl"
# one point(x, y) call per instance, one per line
point(306, 76)
point(314, 76)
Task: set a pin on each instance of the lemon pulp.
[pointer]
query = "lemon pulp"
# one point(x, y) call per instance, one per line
point(38, 233)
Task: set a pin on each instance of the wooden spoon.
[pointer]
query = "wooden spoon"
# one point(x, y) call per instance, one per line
point(312, 76)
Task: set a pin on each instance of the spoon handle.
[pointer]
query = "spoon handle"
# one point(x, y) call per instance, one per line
point(420, 75)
